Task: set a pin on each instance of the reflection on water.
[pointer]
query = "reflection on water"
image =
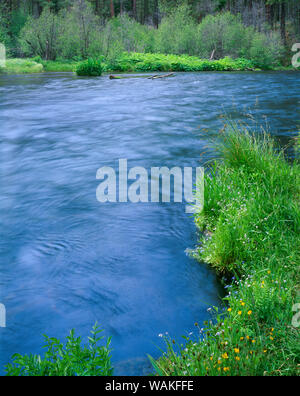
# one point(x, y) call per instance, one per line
point(66, 260)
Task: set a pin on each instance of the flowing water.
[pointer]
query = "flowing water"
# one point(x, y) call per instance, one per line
point(67, 260)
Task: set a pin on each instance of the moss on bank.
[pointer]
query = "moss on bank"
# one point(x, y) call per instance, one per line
point(252, 209)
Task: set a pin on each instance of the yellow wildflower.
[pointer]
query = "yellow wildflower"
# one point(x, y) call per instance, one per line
point(225, 356)
point(236, 350)
point(237, 358)
point(249, 312)
point(229, 309)
point(240, 312)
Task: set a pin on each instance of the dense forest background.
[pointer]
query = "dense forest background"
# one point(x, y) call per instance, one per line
point(77, 29)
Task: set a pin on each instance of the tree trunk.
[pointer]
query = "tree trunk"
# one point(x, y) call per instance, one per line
point(282, 23)
point(134, 8)
point(112, 8)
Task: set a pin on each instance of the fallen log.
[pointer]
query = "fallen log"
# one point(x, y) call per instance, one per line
point(112, 77)
point(161, 76)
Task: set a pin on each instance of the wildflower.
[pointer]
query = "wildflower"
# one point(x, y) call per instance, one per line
point(229, 309)
point(269, 272)
point(236, 350)
point(225, 356)
point(248, 338)
point(237, 358)
point(242, 338)
point(240, 312)
point(265, 351)
point(253, 341)
point(226, 369)
point(250, 313)
point(242, 303)
point(271, 338)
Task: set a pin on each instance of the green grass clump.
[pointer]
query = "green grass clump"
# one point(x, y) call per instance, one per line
point(90, 67)
point(69, 360)
point(21, 66)
point(140, 62)
point(60, 66)
point(252, 213)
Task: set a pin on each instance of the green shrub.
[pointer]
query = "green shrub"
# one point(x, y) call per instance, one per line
point(39, 36)
point(224, 34)
point(177, 33)
point(160, 62)
point(71, 359)
point(90, 67)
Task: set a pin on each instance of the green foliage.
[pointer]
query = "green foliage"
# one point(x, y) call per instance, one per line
point(72, 359)
point(4, 36)
point(79, 32)
point(177, 33)
point(159, 62)
point(90, 67)
point(39, 36)
point(124, 34)
point(266, 50)
point(60, 66)
point(224, 34)
point(252, 209)
point(22, 66)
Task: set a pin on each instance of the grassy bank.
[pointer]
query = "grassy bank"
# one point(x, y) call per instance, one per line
point(21, 66)
point(135, 62)
point(140, 62)
point(253, 217)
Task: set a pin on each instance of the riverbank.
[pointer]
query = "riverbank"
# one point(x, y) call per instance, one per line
point(136, 62)
point(252, 217)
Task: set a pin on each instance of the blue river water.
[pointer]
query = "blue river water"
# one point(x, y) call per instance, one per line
point(67, 260)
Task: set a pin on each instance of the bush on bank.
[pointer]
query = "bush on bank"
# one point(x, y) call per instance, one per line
point(252, 211)
point(140, 62)
point(71, 359)
point(90, 67)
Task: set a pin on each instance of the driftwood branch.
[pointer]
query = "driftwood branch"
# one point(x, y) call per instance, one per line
point(112, 77)
point(212, 55)
point(161, 76)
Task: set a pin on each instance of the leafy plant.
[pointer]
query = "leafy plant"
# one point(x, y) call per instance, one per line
point(251, 220)
point(90, 67)
point(72, 359)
